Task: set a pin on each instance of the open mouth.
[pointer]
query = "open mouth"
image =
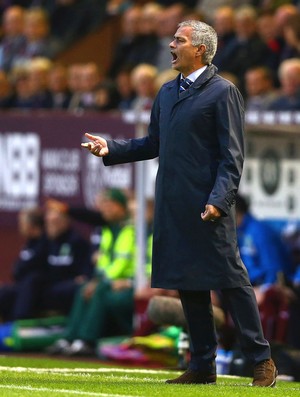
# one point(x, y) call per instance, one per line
point(174, 57)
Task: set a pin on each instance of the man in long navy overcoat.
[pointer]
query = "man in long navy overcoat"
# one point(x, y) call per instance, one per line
point(196, 129)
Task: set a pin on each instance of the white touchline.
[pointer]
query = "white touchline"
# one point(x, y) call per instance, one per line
point(65, 391)
point(98, 370)
point(87, 370)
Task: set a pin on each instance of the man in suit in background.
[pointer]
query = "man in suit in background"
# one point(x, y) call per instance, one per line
point(17, 298)
point(196, 129)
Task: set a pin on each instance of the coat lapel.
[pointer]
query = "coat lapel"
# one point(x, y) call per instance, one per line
point(204, 77)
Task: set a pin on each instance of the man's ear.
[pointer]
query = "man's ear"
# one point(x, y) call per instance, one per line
point(201, 50)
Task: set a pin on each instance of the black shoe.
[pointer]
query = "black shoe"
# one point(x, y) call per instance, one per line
point(194, 377)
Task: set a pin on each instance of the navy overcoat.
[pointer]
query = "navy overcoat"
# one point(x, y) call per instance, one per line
point(198, 136)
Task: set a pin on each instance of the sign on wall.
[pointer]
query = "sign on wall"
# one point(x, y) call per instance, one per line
point(271, 176)
point(41, 157)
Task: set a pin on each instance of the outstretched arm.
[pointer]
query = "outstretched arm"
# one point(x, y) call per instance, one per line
point(120, 151)
point(97, 146)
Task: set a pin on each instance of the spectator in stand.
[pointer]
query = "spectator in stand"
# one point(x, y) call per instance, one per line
point(260, 89)
point(105, 303)
point(106, 96)
point(291, 33)
point(146, 33)
point(68, 263)
point(90, 77)
point(143, 79)
point(82, 82)
point(60, 95)
point(130, 25)
point(267, 32)
point(247, 49)
point(224, 25)
point(22, 97)
point(74, 84)
point(38, 41)
point(38, 73)
point(281, 16)
point(146, 44)
point(13, 40)
point(149, 14)
point(6, 91)
point(17, 298)
point(262, 250)
point(167, 21)
point(289, 77)
point(125, 89)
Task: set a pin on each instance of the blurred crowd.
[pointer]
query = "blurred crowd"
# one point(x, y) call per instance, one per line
point(258, 50)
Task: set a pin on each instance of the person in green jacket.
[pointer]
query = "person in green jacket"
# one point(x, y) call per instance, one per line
point(105, 304)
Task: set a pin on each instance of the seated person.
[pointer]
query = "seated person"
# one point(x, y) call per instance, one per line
point(260, 88)
point(16, 299)
point(266, 258)
point(38, 39)
point(12, 38)
point(289, 92)
point(261, 249)
point(104, 305)
point(68, 262)
point(289, 291)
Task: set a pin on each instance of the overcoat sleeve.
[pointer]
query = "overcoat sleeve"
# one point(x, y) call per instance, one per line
point(230, 133)
point(136, 149)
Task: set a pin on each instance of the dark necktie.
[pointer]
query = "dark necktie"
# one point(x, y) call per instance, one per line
point(185, 84)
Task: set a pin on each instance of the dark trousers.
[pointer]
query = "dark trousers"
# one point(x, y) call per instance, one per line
point(18, 301)
point(242, 306)
point(293, 337)
point(58, 296)
point(32, 295)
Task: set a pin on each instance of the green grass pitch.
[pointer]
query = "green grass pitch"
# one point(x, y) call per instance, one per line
point(34, 377)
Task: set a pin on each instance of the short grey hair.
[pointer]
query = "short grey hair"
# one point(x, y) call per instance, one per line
point(202, 33)
point(287, 65)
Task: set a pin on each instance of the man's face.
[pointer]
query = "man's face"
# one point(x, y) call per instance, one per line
point(112, 211)
point(224, 21)
point(256, 83)
point(13, 21)
point(290, 80)
point(186, 57)
point(56, 223)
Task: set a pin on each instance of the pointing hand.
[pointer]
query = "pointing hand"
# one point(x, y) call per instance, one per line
point(97, 146)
